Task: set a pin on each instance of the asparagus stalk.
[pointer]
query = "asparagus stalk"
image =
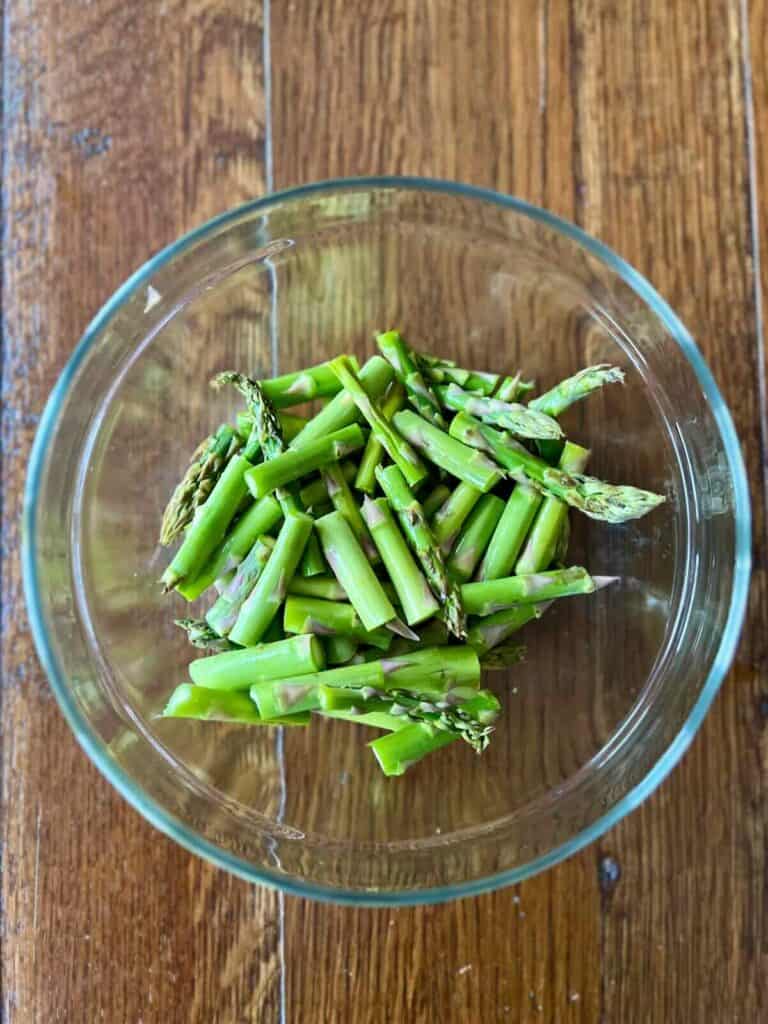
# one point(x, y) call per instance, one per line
point(474, 537)
point(262, 604)
point(489, 596)
point(339, 650)
point(520, 420)
point(485, 634)
point(445, 451)
point(237, 670)
point(223, 615)
point(514, 388)
point(293, 464)
point(200, 634)
point(442, 372)
point(209, 525)
point(266, 423)
point(344, 502)
point(413, 592)
point(189, 701)
point(341, 411)
point(291, 425)
point(450, 517)
point(436, 497)
point(613, 503)
point(406, 367)
point(573, 389)
point(353, 571)
point(302, 692)
point(376, 718)
point(259, 518)
point(330, 618)
point(418, 740)
point(316, 493)
point(312, 561)
point(294, 388)
point(396, 447)
point(327, 588)
point(205, 467)
point(433, 670)
point(374, 450)
point(539, 550)
point(510, 533)
point(424, 546)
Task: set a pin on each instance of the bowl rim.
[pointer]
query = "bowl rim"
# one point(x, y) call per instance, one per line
point(186, 837)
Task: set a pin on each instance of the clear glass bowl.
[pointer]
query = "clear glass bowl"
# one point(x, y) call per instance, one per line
point(614, 686)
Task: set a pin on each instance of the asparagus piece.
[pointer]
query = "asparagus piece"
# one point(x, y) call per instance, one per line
point(205, 467)
point(223, 615)
point(613, 503)
point(200, 634)
point(188, 701)
point(406, 367)
point(491, 596)
point(374, 449)
point(433, 670)
point(474, 537)
point(396, 447)
point(302, 692)
point(485, 634)
point(316, 493)
point(292, 464)
point(339, 650)
point(312, 561)
point(510, 533)
point(259, 518)
point(503, 656)
point(294, 388)
point(413, 592)
point(237, 670)
point(266, 597)
point(418, 740)
point(512, 389)
point(341, 411)
point(424, 546)
point(266, 423)
point(539, 550)
point(291, 425)
point(209, 525)
point(452, 514)
point(573, 389)
point(442, 372)
point(436, 497)
point(351, 568)
point(330, 618)
point(445, 451)
point(520, 420)
point(327, 588)
point(344, 502)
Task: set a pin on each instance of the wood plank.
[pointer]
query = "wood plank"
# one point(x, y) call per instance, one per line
point(417, 88)
point(124, 125)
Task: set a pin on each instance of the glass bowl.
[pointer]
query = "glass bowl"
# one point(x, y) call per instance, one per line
point(614, 686)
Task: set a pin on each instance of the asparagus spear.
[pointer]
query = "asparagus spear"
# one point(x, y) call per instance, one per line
point(510, 533)
point(293, 464)
point(512, 389)
point(539, 550)
point(520, 420)
point(205, 467)
point(613, 503)
point(445, 451)
point(485, 634)
point(294, 388)
point(291, 425)
point(442, 372)
point(344, 502)
point(374, 449)
point(474, 537)
point(418, 740)
point(316, 493)
point(266, 423)
point(417, 601)
point(302, 692)
point(325, 587)
point(396, 447)
point(353, 571)
point(436, 497)
point(491, 596)
point(260, 517)
point(406, 367)
point(450, 517)
point(223, 615)
point(237, 670)
point(189, 701)
point(339, 650)
point(573, 389)
point(341, 411)
point(330, 618)
point(312, 561)
point(200, 634)
point(266, 597)
point(424, 546)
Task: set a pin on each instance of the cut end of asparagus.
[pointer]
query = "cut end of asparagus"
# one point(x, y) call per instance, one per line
point(398, 627)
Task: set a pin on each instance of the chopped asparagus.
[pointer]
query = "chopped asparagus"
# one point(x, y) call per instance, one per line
point(474, 537)
point(520, 420)
point(445, 451)
point(188, 701)
point(489, 596)
point(573, 389)
point(293, 464)
point(374, 449)
point(406, 366)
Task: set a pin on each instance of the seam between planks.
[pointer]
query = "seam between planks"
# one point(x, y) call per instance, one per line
point(3, 205)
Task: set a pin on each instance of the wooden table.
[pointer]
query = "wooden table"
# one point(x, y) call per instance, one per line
point(125, 124)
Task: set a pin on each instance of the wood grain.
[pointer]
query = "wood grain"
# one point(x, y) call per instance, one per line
point(125, 125)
